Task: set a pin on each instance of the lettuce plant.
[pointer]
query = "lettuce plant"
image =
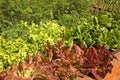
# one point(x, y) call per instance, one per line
point(62, 63)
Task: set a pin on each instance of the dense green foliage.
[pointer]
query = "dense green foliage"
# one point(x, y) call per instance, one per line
point(24, 39)
point(12, 11)
point(96, 30)
point(25, 25)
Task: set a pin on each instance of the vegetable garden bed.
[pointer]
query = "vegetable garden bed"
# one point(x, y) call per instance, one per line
point(64, 63)
point(89, 28)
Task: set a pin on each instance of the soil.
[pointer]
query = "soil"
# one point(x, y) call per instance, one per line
point(115, 74)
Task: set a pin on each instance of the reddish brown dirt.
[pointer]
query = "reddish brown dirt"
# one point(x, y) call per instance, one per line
point(115, 74)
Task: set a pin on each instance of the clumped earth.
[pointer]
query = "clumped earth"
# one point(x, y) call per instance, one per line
point(115, 74)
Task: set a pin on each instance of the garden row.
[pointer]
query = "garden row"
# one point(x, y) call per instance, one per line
point(65, 12)
point(25, 38)
point(63, 63)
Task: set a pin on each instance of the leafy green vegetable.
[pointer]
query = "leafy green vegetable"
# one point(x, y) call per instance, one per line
point(61, 62)
point(25, 39)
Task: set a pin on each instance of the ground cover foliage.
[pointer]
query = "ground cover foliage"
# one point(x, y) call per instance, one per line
point(25, 39)
point(26, 25)
point(62, 63)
